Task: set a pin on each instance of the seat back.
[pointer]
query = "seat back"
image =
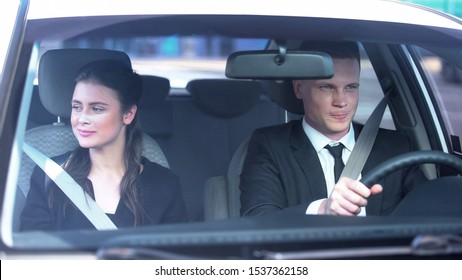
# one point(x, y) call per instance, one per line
point(57, 71)
point(221, 191)
point(233, 179)
point(209, 125)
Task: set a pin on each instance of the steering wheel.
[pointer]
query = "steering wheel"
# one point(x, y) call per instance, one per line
point(408, 159)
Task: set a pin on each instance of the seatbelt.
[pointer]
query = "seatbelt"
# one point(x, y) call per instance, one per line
point(86, 204)
point(365, 141)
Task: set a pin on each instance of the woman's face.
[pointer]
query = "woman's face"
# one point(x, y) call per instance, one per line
point(97, 119)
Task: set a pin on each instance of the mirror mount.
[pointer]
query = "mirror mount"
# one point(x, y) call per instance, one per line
point(281, 57)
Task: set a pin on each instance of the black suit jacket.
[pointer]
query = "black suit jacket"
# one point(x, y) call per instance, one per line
point(282, 171)
point(159, 195)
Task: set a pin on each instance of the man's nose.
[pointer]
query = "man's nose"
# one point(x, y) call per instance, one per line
point(339, 98)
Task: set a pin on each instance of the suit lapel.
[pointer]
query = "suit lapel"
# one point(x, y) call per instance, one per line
point(308, 160)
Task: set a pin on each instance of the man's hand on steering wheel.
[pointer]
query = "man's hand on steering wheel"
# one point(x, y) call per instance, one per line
point(347, 198)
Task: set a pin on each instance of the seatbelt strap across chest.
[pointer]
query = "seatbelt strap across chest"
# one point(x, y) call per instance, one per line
point(365, 141)
point(81, 199)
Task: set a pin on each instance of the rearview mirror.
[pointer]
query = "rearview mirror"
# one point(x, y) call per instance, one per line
point(269, 65)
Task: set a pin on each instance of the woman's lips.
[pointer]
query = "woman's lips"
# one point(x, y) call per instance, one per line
point(85, 133)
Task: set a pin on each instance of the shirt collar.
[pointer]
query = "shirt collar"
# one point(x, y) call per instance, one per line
point(319, 140)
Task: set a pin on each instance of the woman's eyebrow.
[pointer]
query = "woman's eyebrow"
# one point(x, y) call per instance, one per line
point(91, 103)
point(99, 103)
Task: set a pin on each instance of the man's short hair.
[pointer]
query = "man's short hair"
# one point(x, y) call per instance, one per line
point(340, 49)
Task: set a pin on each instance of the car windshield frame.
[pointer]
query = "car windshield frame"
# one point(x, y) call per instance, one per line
point(254, 237)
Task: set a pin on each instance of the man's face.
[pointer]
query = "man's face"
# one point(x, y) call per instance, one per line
point(330, 105)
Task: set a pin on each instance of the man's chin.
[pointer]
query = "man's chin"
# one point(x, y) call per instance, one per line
point(339, 131)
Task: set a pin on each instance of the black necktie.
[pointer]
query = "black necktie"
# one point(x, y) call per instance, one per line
point(336, 152)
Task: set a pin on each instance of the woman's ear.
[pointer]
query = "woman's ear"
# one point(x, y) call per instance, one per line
point(129, 115)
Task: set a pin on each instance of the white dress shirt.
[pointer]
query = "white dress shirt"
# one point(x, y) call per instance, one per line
point(319, 141)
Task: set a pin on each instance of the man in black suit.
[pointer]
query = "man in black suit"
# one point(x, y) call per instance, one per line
point(290, 166)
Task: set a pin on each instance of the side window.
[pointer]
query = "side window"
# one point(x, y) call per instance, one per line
point(370, 94)
point(445, 80)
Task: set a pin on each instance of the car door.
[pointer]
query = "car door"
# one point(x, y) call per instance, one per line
point(13, 14)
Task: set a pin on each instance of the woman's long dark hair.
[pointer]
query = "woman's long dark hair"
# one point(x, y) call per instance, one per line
point(128, 86)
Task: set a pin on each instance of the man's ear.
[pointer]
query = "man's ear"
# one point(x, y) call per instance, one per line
point(297, 88)
point(129, 115)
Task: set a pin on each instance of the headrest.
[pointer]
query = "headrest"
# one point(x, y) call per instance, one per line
point(225, 98)
point(282, 92)
point(57, 71)
point(38, 115)
point(155, 91)
point(154, 113)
